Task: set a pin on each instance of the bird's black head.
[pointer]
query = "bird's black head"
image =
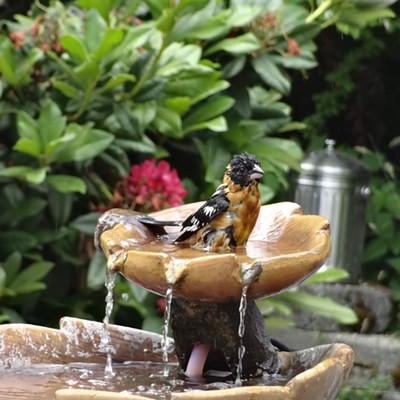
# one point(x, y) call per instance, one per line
point(244, 169)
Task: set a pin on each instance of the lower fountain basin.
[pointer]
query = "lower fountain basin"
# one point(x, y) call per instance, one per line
point(38, 362)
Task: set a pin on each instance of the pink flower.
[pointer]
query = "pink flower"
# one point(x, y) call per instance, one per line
point(154, 186)
point(293, 47)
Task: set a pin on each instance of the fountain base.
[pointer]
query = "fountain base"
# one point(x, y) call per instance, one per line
point(30, 356)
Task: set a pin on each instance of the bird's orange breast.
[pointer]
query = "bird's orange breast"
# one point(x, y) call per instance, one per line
point(244, 207)
point(247, 207)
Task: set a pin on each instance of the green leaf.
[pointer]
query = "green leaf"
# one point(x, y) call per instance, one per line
point(15, 172)
point(31, 287)
point(95, 28)
point(321, 305)
point(34, 273)
point(86, 73)
point(271, 74)
point(67, 183)
point(242, 44)
point(304, 33)
point(24, 66)
point(17, 70)
point(178, 104)
point(157, 6)
point(74, 47)
point(279, 152)
point(65, 88)
point(360, 18)
point(395, 263)
point(2, 280)
point(28, 146)
point(267, 193)
point(117, 80)
point(36, 175)
point(233, 67)
point(177, 57)
point(216, 125)
point(268, 305)
point(32, 175)
point(51, 123)
point(112, 38)
point(12, 265)
point(207, 111)
point(60, 205)
point(278, 322)
point(87, 143)
point(188, 22)
point(194, 85)
point(27, 127)
point(152, 323)
point(97, 271)
point(138, 35)
point(14, 240)
point(7, 62)
point(166, 22)
point(327, 276)
point(103, 7)
point(375, 249)
point(138, 293)
point(29, 207)
point(144, 146)
point(211, 29)
point(86, 223)
point(243, 14)
point(168, 122)
point(305, 60)
point(150, 90)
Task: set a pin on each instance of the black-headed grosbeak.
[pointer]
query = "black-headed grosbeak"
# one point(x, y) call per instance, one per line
point(229, 216)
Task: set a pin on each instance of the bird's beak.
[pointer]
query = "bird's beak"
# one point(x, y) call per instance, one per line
point(256, 173)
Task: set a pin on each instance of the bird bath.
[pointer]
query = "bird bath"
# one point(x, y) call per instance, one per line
point(68, 363)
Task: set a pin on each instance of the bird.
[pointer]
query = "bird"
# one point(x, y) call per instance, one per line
point(228, 217)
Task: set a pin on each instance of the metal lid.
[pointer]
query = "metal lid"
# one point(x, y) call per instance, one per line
point(329, 162)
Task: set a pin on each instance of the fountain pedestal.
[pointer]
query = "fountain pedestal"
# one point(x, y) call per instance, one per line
point(217, 324)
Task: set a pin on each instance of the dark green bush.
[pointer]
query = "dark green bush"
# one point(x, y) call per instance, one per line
point(89, 88)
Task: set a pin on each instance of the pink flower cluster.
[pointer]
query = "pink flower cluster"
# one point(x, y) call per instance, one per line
point(154, 186)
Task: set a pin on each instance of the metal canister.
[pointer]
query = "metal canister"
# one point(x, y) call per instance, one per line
point(335, 186)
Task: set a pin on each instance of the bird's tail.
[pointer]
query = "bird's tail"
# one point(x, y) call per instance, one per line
point(155, 225)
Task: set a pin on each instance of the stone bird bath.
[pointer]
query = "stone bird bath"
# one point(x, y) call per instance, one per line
point(284, 248)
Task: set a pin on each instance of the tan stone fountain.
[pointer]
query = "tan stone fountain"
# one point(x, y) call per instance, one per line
point(284, 248)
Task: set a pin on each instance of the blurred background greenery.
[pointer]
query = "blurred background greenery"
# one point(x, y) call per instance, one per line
point(90, 90)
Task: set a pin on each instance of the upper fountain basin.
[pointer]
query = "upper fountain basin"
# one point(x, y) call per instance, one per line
point(284, 248)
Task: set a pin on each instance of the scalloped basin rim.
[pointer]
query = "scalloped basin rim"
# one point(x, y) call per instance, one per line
point(288, 245)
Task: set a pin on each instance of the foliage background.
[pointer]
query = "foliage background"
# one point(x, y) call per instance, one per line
point(89, 88)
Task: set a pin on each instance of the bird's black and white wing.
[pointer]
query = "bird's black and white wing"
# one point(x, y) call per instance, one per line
point(217, 204)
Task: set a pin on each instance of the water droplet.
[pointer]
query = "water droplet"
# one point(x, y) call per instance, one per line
point(125, 296)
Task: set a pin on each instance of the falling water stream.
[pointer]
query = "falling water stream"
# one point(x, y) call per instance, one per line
point(105, 339)
point(167, 317)
point(241, 348)
point(249, 275)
